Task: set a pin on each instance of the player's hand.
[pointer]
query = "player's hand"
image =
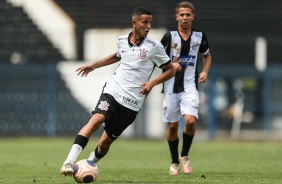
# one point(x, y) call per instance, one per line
point(84, 70)
point(146, 88)
point(176, 65)
point(203, 77)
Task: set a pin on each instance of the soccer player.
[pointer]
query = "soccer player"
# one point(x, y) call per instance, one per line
point(181, 96)
point(125, 92)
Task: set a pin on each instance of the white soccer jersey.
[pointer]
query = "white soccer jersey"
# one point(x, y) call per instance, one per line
point(187, 51)
point(136, 67)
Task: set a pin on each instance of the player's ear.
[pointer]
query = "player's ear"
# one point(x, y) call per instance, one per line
point(193, 16)
point(133, 23)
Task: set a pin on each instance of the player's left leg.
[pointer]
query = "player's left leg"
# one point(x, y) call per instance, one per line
point(102, 148)
point(188, 135)
point(189, 105)
point(114, 126)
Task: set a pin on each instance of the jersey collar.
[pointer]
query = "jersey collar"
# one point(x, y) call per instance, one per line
point(138, 44)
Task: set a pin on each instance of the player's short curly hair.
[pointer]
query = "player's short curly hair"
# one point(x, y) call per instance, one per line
point(184, 4)
point(138, 11)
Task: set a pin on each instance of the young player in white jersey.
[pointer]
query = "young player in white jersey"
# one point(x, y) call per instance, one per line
point(124, 94)
point(181, 96)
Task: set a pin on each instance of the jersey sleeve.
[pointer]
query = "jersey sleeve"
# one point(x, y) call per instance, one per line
point(204, 47)
point(160, 56)
point(166, 42)
point(118, 48)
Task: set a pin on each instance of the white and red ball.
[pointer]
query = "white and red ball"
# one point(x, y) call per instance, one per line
point(85, 171)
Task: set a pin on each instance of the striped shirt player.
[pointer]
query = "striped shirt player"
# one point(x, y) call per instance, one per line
point(181, 97)
point(187, 51)
point(185, 82)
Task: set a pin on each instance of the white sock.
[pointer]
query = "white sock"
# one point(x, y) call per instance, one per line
point(93, 158)
point(74, 153)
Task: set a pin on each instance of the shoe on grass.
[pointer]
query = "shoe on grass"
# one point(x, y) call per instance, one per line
point(186, 165)
point(67, 169)
point(174, 169)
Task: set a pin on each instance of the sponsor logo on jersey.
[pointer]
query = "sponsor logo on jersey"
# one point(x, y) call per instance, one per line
point(151, 41)
point(126, 100)
point(195, 46)
point(186, 60)
point(142, 55)
point(104, 105)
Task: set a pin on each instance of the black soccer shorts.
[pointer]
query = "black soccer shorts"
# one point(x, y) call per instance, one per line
point(117, 117)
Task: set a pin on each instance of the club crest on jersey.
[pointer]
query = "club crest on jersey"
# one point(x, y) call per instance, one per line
point(174, 46)
point(142, 54)
point(104, 105)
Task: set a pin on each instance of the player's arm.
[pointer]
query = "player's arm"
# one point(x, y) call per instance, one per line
point(166, 41)
point(148, 86)
point(204, 49)
point(206, 66)
point(84, 70)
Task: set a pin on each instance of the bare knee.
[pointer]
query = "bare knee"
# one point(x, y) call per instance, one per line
point(173, 128)
point(93, 124)
point(190, 125)
point(172, 131)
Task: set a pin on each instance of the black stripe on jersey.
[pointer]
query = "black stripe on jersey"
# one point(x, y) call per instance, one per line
point(166, 42)
point(179, 77)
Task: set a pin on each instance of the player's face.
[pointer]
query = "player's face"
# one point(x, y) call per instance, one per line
point(142, 25)
point(185, 17)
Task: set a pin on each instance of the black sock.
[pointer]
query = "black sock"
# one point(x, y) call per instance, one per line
point(173, 147)
point(187, 142)
point(81, 140)
point(98, 155)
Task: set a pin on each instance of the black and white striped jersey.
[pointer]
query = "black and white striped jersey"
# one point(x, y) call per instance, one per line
point(187, 51)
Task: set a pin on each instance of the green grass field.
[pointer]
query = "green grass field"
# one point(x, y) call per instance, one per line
point(38, 160)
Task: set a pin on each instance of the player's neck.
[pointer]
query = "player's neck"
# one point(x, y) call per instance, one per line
point(185, 33)
point(135, 39)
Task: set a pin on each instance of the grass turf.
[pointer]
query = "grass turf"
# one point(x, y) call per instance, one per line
point(38, 160)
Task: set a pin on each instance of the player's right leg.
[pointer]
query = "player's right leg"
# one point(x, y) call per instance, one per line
point(80, 143)
point(173, 141)
point(171, 115)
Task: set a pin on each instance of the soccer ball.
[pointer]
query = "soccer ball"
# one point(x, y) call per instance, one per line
point(85, 171)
